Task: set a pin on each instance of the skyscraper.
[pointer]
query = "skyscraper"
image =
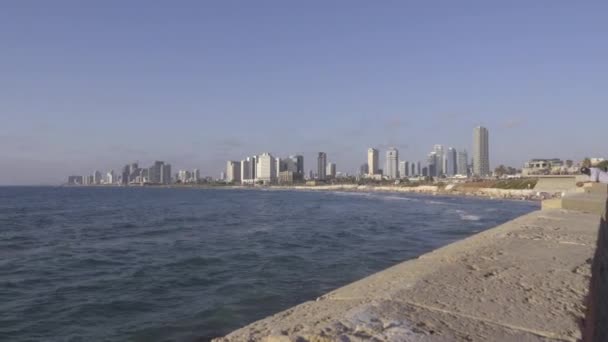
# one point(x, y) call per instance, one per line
point(322, 166)
point(450, 164)
point(433, 161)
point(363, 170)
point(246, 176)
point(438, 149)
point(392, 163)
point(299, 161)
point(233, 171)
point(463, 163)
point(481, 152)
point(372, 161)
point(165, 175)
point(331, 170)
point(266, 170)
point(403, 169)
point(125, 175)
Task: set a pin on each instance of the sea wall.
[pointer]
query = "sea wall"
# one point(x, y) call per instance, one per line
point(526, 280)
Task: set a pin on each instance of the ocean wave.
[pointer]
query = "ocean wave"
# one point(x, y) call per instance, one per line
point(466, 216)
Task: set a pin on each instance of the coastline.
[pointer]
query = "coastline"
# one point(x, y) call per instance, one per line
point(433, 190)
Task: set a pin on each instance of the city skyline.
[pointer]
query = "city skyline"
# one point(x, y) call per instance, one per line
point(220, 79)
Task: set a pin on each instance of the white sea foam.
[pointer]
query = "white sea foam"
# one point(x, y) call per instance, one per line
point(466, 216)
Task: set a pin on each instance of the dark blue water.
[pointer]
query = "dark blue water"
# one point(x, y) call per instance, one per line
point(150, 264)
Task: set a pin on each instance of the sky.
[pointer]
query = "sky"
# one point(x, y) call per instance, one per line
point(94, 85)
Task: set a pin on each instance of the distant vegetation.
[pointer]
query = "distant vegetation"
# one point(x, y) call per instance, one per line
point(517, 184)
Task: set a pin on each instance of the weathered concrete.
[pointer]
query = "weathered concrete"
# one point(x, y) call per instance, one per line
point(558, 183)
point(525, 280)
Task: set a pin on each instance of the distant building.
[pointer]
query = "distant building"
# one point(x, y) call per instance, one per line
point(439, 153)
point(97, 177)
point(196, 175)
point(363, 170)
point(165, 175)
point(462, 163)
point(266, 170)
point(481, 152)
point(372, 161)
point(403, 169)
point(124, 180)
point(222, 176)
point(110, 177)
point(247, 171)
point(433, 161)
point(392, 163)
point(413, 172)
point(543, 166)
point(450, 164)
point(233, 171)
point(298, 160)
point(286, 177)
point(418, 168)
point(330, 172)
point(75, 180)
point(321, 166)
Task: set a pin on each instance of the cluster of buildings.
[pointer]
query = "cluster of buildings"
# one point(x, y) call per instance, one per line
point(441, 162)
point(266, 169)
point(132, 174)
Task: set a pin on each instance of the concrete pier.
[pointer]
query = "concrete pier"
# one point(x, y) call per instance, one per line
point(526, 280)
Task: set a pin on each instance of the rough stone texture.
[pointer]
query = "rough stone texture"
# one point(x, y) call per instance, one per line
point(525, 280)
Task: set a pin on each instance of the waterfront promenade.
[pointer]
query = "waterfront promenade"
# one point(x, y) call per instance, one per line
point(526, 280)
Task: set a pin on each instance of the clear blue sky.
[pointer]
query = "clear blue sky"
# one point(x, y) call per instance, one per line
point(88, 85)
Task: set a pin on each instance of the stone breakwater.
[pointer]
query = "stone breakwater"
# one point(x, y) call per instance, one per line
point(526, 280)
point(516, 194)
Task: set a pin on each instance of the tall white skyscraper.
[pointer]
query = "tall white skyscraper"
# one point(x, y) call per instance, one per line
point(463, 163)
point(372, 161)
point(392, 163)
point(450, 164)
point(331, 170)
point(481, 152)
point(266, 168)
point(246, 174)
point(233, 171)
point(403, 169)
point(438, 149)
point(322, 166)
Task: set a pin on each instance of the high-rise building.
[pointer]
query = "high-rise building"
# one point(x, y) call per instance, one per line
point(433, 161)
point(331, 170)
point(403, 169)
point(266, 170)
point(109, 177)
point(322, 166)
point(439, 152)
point(165, 174)
point(246, 174)
point(450, 165)
point(363, 170)
point(481, 152)
point(372, 161)
point(97, 177)
point(233, 171)
point(155, 172)
point(463, 163)
point(196, 175)
point(418, 168)
point(125, 175)
point(392, 163)
point(299, 162)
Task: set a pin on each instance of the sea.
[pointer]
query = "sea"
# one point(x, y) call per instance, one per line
point(186, 264)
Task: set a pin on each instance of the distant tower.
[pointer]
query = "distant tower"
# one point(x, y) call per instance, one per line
point(403, 169)
point(481, 152)
point(322, 166)
point(438, 149)
point(392, 163)
point(372, 161)
point(450, 164)
point(331, 170)
point(463, 163)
